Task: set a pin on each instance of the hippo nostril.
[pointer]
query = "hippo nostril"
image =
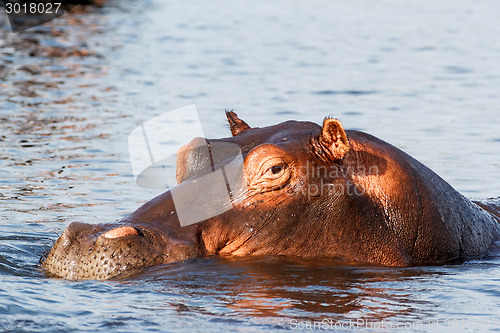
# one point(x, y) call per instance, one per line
point(122, 231)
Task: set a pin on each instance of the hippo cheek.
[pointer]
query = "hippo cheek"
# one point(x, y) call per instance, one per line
point(106, 255)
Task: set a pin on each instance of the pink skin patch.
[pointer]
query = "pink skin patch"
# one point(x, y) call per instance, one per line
point(120, 232)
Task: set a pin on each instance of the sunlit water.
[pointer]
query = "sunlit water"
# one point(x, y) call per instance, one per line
point(423, 76)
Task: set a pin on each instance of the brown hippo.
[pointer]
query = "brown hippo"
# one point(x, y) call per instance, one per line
point(307, 191)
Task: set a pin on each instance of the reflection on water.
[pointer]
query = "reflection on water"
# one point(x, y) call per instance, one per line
point(282, 291)
point(287, 287)
point(422, 76)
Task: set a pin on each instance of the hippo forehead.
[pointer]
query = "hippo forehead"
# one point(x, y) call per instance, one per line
point(290, 134)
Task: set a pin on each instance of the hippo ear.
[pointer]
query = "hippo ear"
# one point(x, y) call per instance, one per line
point(333, 139)
point(236, 124)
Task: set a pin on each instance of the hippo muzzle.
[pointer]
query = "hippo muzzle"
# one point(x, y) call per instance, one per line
point(101, 252)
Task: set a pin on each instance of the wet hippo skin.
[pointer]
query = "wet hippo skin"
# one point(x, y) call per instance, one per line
point(307, 191)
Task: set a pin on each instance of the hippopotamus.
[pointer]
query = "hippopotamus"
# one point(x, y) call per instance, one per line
point(308, 191)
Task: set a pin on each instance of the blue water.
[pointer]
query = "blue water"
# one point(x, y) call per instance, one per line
point(421, 75)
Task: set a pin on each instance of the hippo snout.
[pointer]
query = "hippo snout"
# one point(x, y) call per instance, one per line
point(100, 252)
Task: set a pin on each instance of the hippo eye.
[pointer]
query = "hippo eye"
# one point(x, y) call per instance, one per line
point(268, 168)
point(273, 168)
point(276, 169)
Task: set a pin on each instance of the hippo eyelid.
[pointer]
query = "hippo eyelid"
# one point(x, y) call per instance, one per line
point(276, 169)
point(271, 163)
point(273, 170)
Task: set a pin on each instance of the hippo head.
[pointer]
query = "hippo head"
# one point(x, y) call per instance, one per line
point(302, 190)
